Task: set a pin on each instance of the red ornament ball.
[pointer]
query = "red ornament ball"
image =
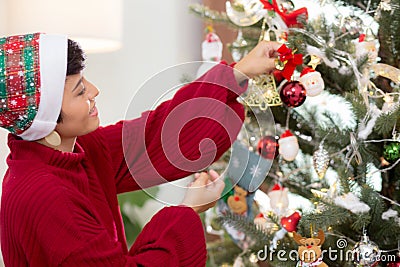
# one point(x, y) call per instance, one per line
point(395, 263)
point(293, 94)
point(268, 147)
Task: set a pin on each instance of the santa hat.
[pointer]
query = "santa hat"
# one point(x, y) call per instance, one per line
point(32, 76)
point(306, 71)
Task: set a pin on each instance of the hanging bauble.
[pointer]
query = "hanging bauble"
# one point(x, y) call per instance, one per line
point(391, 152)
point(312, 81)
point(239, 48)
point(366, 47)
point(366, 252)
point(211, 47)
point(288, 146)
point(238, 202)
point(228, 190)
point(211, 50)
point(289, 223)
point(245, 13)
point(260, 221)
point(268, 147)
point(278, 198)
point(285, 5)
point(262, 93)
point(352, 24)
point(293, 94)
point(395, 263)
point(321, 161)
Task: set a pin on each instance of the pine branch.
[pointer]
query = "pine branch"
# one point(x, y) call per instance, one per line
point(246, 226)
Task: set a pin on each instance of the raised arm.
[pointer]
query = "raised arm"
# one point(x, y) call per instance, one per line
point(189, 132)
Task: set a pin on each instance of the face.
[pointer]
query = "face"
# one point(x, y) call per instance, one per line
point(79, 112)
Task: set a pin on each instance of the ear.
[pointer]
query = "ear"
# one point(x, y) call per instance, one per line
point(297, 237)
point(303, 241)
point(317, 241)
point(321, 236)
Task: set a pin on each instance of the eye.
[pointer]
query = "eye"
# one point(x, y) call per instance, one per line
point(312, 243)
point(83, 89)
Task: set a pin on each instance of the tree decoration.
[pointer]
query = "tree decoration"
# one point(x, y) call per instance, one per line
point(309, 251)
point(260, 220)
point(293, 94)
point(268, 147)
point(289, 223)
point(395, 263)
point(351, 202)
point(312, 81)
point(239, 47)
point(288, 146)
point(238, 203)
point(211, 50)
point(211, 46)
point(290, 60)
point(366, 47)
point(244, 13)
point(262, 92)
point(366, 253)
point(279, 200)
point(295, 18)
point(391, 151)
point(387, 71)
point(352, 25)
point(321, 161)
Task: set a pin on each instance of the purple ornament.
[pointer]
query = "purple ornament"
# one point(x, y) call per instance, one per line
point(293, 94)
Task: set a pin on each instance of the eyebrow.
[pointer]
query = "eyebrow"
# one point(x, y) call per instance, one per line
point(78, 83)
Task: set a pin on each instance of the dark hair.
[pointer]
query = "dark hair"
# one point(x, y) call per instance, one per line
point(76, 58)
point(75, 64)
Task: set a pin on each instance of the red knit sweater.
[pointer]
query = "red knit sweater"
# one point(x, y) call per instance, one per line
point(61, 209)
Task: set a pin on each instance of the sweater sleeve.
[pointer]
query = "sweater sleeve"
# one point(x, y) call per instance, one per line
point(181, 136)
point(62, 228)
point(174, 237)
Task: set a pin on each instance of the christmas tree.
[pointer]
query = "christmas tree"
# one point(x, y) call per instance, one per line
point(323, 128)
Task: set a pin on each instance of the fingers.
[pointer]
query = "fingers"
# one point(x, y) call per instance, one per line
point(202, 179)
point(214, 175)
point(270, 65)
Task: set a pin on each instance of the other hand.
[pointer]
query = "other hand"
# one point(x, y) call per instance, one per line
point(204, 191)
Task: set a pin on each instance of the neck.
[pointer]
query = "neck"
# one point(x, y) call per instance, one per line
point(67, 144)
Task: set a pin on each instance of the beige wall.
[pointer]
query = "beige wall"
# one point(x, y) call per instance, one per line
point(3, 17)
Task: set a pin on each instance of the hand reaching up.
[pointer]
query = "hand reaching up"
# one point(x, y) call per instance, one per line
point(260, 60)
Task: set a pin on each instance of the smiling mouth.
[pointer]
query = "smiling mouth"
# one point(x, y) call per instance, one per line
point(92, 109)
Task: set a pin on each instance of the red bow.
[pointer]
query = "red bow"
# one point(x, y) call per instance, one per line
point(290, 19)
point(290, 60)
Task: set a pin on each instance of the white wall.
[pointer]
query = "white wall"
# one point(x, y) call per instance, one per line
point(156, 36)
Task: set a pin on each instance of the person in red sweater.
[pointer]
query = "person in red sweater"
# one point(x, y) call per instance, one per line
point(59, 203)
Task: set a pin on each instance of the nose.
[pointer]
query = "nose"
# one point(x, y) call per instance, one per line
point(93, 91)
point(309, 247)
